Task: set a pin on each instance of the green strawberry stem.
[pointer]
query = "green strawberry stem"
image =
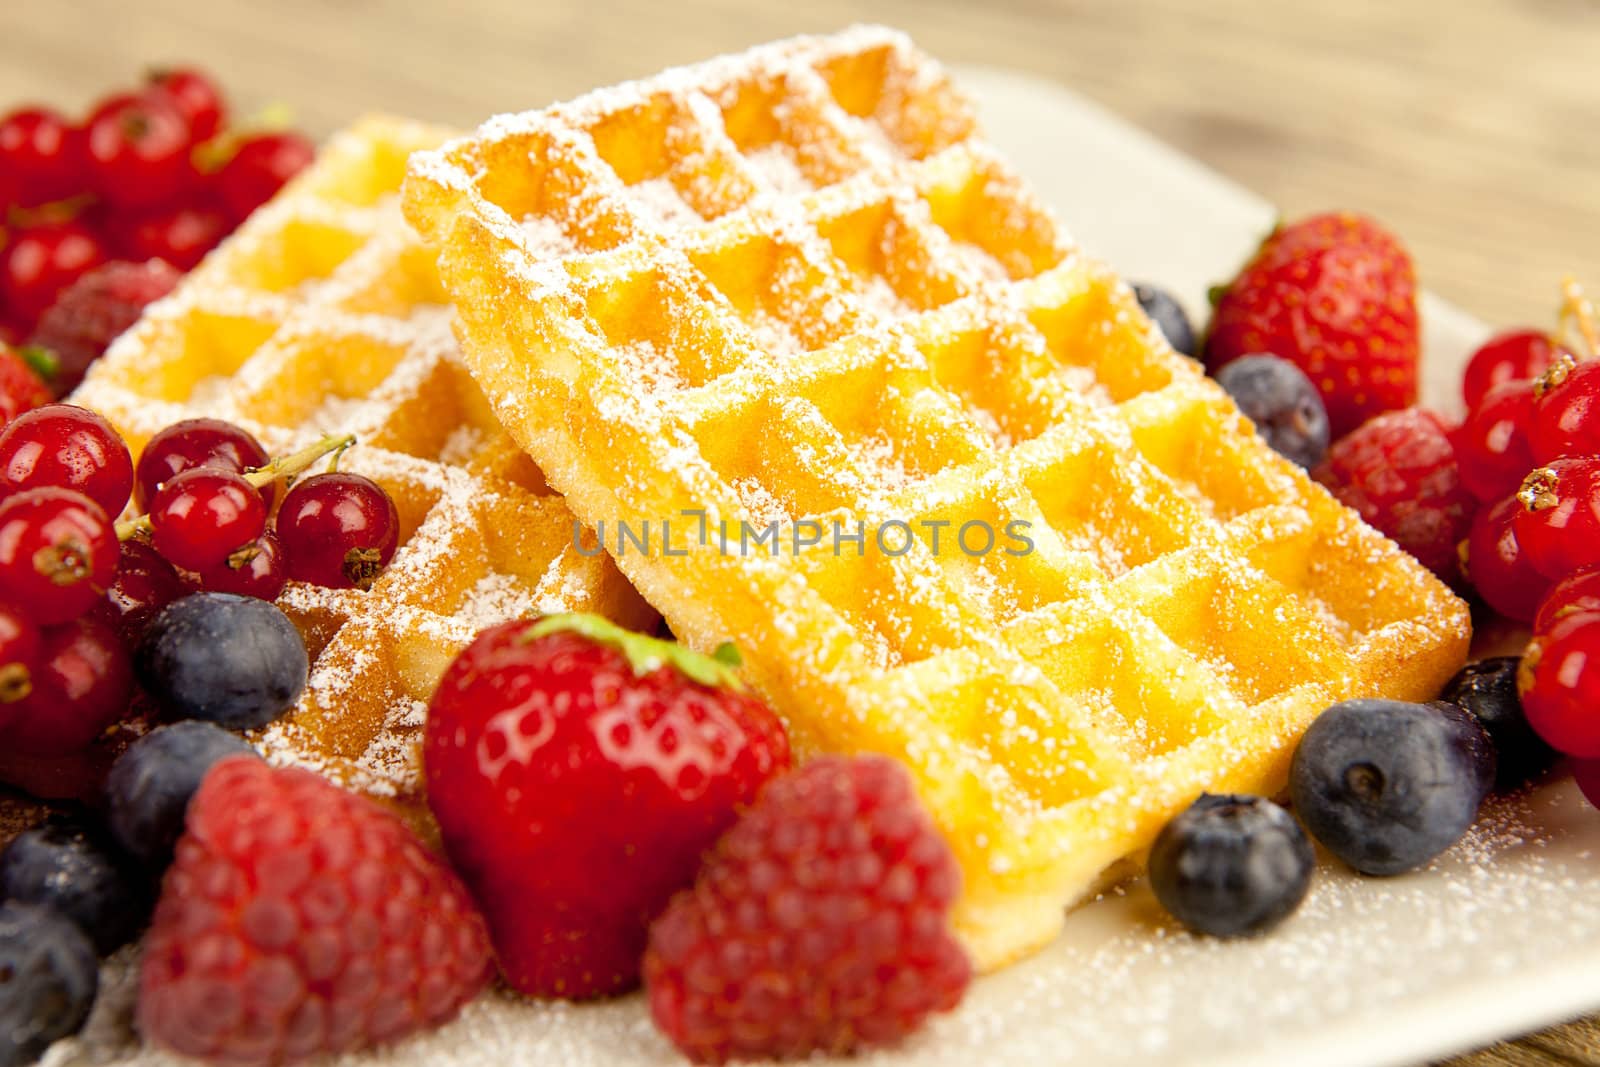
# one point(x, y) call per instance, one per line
point(282, 467)
point(40, 360)
point(645, 653)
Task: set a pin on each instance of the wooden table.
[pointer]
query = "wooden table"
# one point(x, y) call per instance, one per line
point(1470, 128)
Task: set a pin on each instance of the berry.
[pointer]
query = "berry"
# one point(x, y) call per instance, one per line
point(1496, 565)
point(1399, 472)
point(315, 917)
point(41, 261)
point(1517, 355)
point(150, 785)
point(80, 688)
point(198, 517)
point(70, 448)
point(22, 388)
point(338, 530)
point(58, 553)
point(256, 569)
point(1336, 296)
point(144, 584)
point(1231, 866)
point(1566, 416)
point(196, 443)
point(1282, 402)
point(51, 979)
point(1560, 684)
point(578, 772)
point(1386, 786)
point(1492, 445)
point(136, 149)
point(260, 168)
point(1578, 591)
point(232, 660)
point(195, 96)
point(180, 235)
point(1169, 317)
point(97, 309)
point(1487, 690)
point(36, 146)
point(1558, 524)
point(66, 864)
point(1587, 773)
point(20, 645)
point(819, 923)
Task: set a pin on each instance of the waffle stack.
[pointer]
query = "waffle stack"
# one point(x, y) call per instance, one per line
point(795, 287)
point(323, 315)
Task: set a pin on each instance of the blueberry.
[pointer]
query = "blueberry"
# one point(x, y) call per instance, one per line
point(1231, 866)
point(48, 980)
point(232, 660)
point(148, 789)
point(1282, 402)
point(1386, 786)
point(1488, 690)
point(72, 866)
point(1168, 316)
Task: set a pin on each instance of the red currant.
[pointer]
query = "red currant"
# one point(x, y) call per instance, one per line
point(144, 584)
point(58, 553)
point(69, 447)
point(1566, 415)
point(338, 530)
point(1587, 773)
point(137, 150)
point(180, 235)
point(201, 515)
point(1496, 565)
point(1559, 680)
point(20, 644)
point(259, 169)
point(196, 443)
point(1507, 357)
point(1578, 591)
point(1492, 445)
point(256, 570)
point(1559, 524)
point(37, 148)
point(82, 686)
point(195, 96)
point(43, 260)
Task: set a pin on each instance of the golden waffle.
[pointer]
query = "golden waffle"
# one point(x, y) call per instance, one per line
point(795, 286)
point(324, 315)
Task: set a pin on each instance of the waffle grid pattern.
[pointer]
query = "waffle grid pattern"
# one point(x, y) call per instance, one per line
point(793, 285)
point(324, 315)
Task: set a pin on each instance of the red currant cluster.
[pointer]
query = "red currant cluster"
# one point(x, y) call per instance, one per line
point(150, 174)
point(77, 588)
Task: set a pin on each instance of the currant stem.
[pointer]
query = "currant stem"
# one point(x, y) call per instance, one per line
point(282, 467)
point(1578, 312)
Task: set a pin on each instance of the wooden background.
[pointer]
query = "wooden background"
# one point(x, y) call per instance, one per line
point(1470, 127)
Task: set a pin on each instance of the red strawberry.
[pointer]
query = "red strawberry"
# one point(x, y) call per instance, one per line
point(298, 919)
point(1335, 294)
point(94, 310)
point(22, 386)
point(578, 772)
point(820, 923)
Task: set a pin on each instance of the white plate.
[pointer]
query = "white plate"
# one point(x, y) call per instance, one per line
point(1500, 936)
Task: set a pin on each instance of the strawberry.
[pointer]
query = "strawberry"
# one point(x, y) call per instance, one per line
point(578, 771)
point(22, 381)
point(1336, 295)
point(298, 920)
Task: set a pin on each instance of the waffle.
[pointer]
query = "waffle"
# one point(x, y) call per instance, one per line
point(795, 287)
point(321, 315)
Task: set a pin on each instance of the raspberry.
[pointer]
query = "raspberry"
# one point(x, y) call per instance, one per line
point(1399, 471)
point(298, 919)
point(819, 923)
point(94, 310)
